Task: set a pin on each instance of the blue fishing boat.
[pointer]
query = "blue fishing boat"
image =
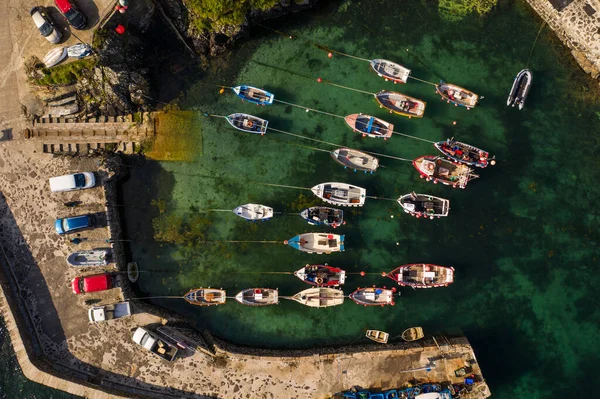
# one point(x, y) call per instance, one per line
point(322, 215)
point(317, 243)
point(254, 95)
point(390, 394)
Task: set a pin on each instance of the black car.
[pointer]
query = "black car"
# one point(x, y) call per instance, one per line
point(44, 23)
point(71, 13)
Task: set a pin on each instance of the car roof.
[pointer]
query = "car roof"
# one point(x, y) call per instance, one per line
point(97, 282)
point(37, 17)
point(63, 5)
point(77, 221)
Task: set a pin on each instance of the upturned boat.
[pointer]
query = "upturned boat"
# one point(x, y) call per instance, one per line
point(320, 297)
point(401, 104)
point(457, 95)
point(254, 212)
point(413, 334)
point(322, 215)
point(390, 70)
point(422, 275)
point(441, 170)
point(321, 275)
point(341, 194)
point(424, 205)
point(258, 296)
point(369, 126)
point(79, 50)
point(317, 243)
point(248, 123)
point(94, 257)
point(55, 56)
point(354, 159)
point(254, 95)
point(378, 336)
point(206, 296)
point(464, 153)
point(373, 296)
point(520, 89)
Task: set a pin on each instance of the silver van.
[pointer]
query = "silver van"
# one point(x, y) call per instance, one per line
point(75, 181)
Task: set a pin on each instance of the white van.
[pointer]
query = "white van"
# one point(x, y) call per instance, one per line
point(76, 181)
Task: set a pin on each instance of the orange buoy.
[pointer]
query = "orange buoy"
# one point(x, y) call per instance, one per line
point(330, 55)
point(120, 29)
point(285, 242)
point(383, 274)
point(319, 80)
point(454, 123)
point(362, 274)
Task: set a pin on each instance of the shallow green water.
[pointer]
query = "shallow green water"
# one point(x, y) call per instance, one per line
point(523, 238)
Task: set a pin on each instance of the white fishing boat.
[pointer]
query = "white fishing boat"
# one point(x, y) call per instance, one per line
point(341, 194)
point(390, 70)
point(317, 243)
point(320, 297)
point(373, 296)
point(354, 159)
point(258, 296)
point(248, 123)
point(424, 205)
point(79, 50)
point(254, 212)
point(55, 56)
point(94, 257)
point(206, 296)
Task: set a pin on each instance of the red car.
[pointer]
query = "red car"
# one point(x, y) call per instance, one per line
point(97, 282)
point(71, 13)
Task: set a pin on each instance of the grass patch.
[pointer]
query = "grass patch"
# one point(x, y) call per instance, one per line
point(213, 14)
point(65, 74)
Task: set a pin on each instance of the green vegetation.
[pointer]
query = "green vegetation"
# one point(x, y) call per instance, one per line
point(213, 14)
point(100, 36)
point(65, 74)
point(188, 232)
point(455, 10)
point(303, 202)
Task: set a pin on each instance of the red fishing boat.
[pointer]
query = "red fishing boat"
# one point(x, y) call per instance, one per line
point(422, 275)
point(441, 170)
point(464, 153)
point(321, 275)
point(373, 296)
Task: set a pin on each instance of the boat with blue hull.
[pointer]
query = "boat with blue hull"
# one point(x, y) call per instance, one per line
point(323, 216)
point(254, 95)
point(424, 391)
point(317, 243)
point(369, 126)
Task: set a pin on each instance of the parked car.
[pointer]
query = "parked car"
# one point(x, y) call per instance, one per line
point(96, 282)
point(75, 181)
point(71, 13)
point(109, 312)
point(45, 24)
point(70, 224)
point(152, 343)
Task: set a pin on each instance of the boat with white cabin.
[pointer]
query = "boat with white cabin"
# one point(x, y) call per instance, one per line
point(254, 212)
point(356, 160)
point(320, 297)
point(341, 194)
point(424, 205)
point(317, 243)
point(390, 70)
point(258, 296)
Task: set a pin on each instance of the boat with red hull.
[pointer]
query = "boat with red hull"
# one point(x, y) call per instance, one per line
point(465, 153)
point(373, 296)
point(422, 275)
point(321, 275)
point(441, 170)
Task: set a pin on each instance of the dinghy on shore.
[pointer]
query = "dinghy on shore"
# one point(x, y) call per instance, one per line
point(520, 89)
point(373, 296)
point(322, 215)
point(94, 257)
point(55, 56)
point(464, 153)
point(258, 296)
point(369, 126)
point(401, 104)
point(317, 243)
point(390, 70)
point(248, 123)
point(457, 95)
point(254, 95)
point(254, 212)
point(320, 297)
point(341, 194)
point(206, 296)
point(441, 170)
point(356, 160)
point(321, 275)
point(79, 50)
point(424, 205)
point(422, 275)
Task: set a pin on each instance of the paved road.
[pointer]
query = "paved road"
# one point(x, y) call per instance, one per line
point(10, 107)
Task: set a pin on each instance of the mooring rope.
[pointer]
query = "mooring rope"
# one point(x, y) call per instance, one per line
point(155, 297)
point(382, 198)
point(309, 109)
point(534, 43)
point(422, 81)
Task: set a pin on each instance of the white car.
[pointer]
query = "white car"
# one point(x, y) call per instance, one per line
point(75, 181)
point(44, 23)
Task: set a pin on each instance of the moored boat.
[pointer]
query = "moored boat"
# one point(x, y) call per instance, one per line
point(401, 104)
point(520, 89)
point(320, 297)
point(258, 296)
point(341, 194)
point(378, 336)
point(317, 243)
point(94, 257)
point(369, 126)
point(354, 159)
point(464, 153)
point(321, 275)
point(79, 50)
point(322, 215)
point(424, 205)
point(413, 334)
point(390, 70)
point(248, 123)
point(457, 95)
point(206, 296)
point(422, 275)
point(253, 95)
point(254, 212)
point(441, 170)
point(373, 296)
point(55, 56)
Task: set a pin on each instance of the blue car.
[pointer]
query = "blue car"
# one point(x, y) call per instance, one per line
point(68, 225)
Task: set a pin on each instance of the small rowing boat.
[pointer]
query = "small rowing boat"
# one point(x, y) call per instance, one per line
point(94, 257)
point(413, 334)
point(317, 243)
point(206, 296)
point(464, 153)
point(369, 126)
point(248, 123)
point(520, 89)
point(253, 95)
point(55, 56)
point(424, 205)
point(133, 271)
point(390, 70)
point(341, 194)
point(378, 336)
point(401, 104)
point(441, 170)
point(254, 212)
point(422, 275)
point(322, 215)
point(79, 50)
point(354, 159)
point(321, 275)
point(258, 296)
point(320, 297)
point(373, 296)
point(457, 95)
